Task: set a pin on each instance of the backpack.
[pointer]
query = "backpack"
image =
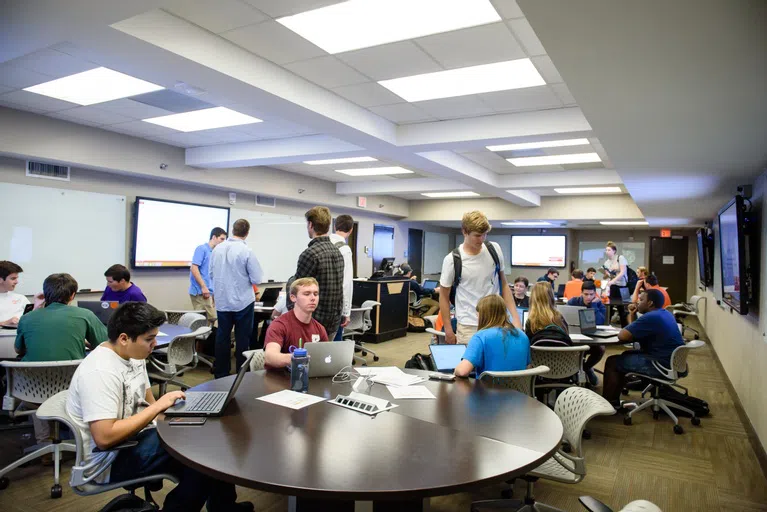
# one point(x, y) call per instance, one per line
point(631, 279)
point(129, 503)
point(415, 324)
point(551, 336)
point(696, 405)
point(420, 362)
point(457, 265)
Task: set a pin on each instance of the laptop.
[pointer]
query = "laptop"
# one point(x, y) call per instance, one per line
point(208, 403)
point(102, 309)
point(446, 357)
point(327, 358)
point(588, 320)
point(561, 290)
point(429, 285)
point(269, 296)
point(27, 309)
point(571, 314)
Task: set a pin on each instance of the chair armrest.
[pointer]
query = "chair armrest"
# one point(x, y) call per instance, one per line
point(593, 504)
point(121, 446)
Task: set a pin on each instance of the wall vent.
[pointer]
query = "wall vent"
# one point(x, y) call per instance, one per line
point(47, 171)
point(269, 202)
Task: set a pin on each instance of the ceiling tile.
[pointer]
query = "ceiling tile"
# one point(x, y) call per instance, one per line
point(172, 101)
point(218, 16)
point(140, 129)
point(564, 94)
point(17, 77)
point(225, 135)
point(187, 140)
point(392, 60)
point(517, 100)
point(37, 101)
point(95, 115)
point(327, 71)
point(547, 69)
point(53, 64)
point(133, 109)
point(489, 160)
point(508, 8)
point(279, 8)
point(368, 95)
point(64, 117)
point(473, 46)
point(6, 89)
point(526, 37)
point(402, 113)
point(19, 107)
point(274, 130)
point(274, 42)
point(453, 108)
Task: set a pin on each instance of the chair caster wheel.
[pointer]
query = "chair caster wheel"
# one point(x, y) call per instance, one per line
point(56, 491)
point(655, 415)
point(625, 391)
point(678, 429)
point(4, 482)
point(566, 447)
point(364, 353)
point(627, 420)
point(695, 421)
point(586, 434)
point(354, 362)
point(507, 494)
point(375, 358)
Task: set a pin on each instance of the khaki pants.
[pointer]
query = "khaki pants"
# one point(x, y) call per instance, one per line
point(200, 303)
point(464, 333)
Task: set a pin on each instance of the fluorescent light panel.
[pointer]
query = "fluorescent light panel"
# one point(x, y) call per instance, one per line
point(351, 160)
point(359, 24)
point(499, 76)
point(538, 145)
point(463, 193)
point(530, 223)
point(205, 119)
point(94, 86)
point(589, 190)
point(623, 222)
point(374, 171)
point(577, 158)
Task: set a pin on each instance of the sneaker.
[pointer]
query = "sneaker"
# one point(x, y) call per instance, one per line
point(592, 376)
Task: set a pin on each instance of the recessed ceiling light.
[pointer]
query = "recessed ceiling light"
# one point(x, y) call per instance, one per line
point(589, 190)
point(374, 171)
point(352, 160)
point(528, 223)
point(577, 158)
point(94, 86)
point(542, 144)
point(623, 222)
point(356, 24)
point(205, 119)
point(463, 193)
point(499, 76)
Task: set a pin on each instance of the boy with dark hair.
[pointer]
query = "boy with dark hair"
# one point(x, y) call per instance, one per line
point(521, 299)
point(573, 286)
point(200, 285)
point(11, 304)
point(591, 272)
point(550, 277)
point(588, 299)
point(119, 286)
point(110, 400)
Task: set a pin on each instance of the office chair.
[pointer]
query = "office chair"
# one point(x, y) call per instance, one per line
point(575, 408)
point(683, 311)
point(594, 505)
point(359, 324)
point(181, 356)
point(669, 380)
point(194, 320)
point(257, 361)
point(563, 361)
point(34, 383)
point(174, 315)
point(520, 380)
point(84, 476)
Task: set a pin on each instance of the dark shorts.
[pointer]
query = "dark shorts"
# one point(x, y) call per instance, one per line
point(633, 361)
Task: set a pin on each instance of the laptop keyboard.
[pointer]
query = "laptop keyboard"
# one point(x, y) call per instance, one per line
point(207, 402)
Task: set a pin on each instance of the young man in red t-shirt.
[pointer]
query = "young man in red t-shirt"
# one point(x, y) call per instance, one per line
point(297, 324)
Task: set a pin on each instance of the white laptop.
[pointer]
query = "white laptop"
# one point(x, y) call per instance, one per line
point(329, 357)
point(571, 314)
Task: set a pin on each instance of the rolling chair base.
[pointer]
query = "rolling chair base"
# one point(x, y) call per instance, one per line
point(56, 448)
point(659, 404)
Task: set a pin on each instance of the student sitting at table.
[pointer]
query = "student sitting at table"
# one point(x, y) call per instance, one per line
point(642, 274)
point(544, 321)
point(430, 305)
point(550, 277)
point(588, 299)
point(590, 276)
point(295, 327)
point(651, 283)
point(110, 401)
point(497, 345)
point(119, 286)
point(573, 286)
point(12, 304)
point(519, 292)
point(658, 336)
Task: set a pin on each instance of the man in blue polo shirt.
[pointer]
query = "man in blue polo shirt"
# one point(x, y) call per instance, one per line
point(658, 336)
point(200, 286)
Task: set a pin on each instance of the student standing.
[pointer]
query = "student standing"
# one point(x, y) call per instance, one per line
point(521, 300)
point(615, 269)
point(344, 228)
point(200, 285)
point(481, 275)
point(12, 304)
point(234, 270)
point(119, 286)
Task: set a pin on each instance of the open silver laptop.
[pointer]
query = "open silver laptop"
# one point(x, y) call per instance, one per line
point(571, 314)
point(329, 357)
point(208, 403)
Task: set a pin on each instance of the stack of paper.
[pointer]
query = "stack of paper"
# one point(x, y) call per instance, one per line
point(390, 376)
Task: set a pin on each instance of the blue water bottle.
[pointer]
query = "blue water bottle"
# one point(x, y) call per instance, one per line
point(299, 371)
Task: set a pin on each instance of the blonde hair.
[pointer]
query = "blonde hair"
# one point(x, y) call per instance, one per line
point(543, 312)
point(492, 313)
point(612, 246)
point(300, 283)
point(319, 216)
point(475, 222)
point(643, 270)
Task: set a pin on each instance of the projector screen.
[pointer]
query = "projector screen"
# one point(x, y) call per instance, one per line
point(538, 250)
point(166, 233)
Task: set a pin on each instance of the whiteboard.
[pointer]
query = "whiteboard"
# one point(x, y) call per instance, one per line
point(48, 230)
point(592, 254)
point(277, 240)
point(505, 242)
point(436, 247)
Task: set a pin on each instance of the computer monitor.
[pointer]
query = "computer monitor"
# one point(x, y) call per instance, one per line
point(386, 264)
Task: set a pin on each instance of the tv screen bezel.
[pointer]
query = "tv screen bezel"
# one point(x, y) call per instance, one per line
point(511, 252)
point(742, 305)
point(135, 229)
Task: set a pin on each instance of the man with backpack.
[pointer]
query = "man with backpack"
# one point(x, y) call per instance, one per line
point(470, 272)
point(344, 228)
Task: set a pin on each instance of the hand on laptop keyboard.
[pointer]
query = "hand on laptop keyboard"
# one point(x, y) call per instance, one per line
point(168, 399)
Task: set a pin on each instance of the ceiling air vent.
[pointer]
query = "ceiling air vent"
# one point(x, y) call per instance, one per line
point(47, 171)
point(269, 202)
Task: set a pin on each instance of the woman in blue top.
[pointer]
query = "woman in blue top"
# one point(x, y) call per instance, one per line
point(497, 345)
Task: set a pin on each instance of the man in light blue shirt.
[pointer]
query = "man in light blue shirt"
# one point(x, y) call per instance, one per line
point(200, 287)
point(234, 270)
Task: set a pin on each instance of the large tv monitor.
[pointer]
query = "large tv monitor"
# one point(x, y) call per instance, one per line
point(166, 233)
point(538, 251)
point(732, 247)
point(706, 257)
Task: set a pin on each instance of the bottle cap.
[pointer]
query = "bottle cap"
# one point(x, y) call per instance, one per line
point(299, 352)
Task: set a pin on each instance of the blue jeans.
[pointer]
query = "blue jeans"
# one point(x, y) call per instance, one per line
point(193, 490)
point(339, 334)
point(242, 322)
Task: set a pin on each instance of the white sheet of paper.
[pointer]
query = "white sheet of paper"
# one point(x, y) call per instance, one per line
point(580, 337)
point(291, 399)
point(408, 392)
point(607, 328)
point(160, 333)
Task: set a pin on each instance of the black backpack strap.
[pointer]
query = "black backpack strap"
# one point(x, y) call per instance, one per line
point(497, 262)
point(457, 266)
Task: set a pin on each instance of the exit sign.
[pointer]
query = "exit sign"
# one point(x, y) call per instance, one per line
point(362, 202)
point(665, 233)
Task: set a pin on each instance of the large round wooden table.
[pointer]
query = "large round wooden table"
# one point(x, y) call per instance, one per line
point(471, 435)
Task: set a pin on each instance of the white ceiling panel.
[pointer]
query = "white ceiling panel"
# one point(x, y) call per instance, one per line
point(95, 115)
point(452, 108)
point(526, 37)
point(393, 60)
point(488, 159)
point(64, 117)
point(37, 101)
point(218, 16)
point(518, 100)
point(473, 46)
point(187, 140)
point(329, 173)
point(224, 135)
point(132, 109)
point(279, 8)
point(52, 63)
point(507, 8)
point(547, 69)
point(274, 42)
point(327, 71)
point(402, 113)
point(368, 95)
point(271, 129)
point(17, 77)
point(564, 94)
point(140, 129)
point(6, 89)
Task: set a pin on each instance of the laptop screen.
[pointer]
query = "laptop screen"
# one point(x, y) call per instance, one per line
point(525, 314)
point(447, 357)
point(588, 320)
point(429, 284)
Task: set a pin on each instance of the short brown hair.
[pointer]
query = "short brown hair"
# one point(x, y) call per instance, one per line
point(577, 274)
point(117, 272)
point(59, 288)
point(344, 223)
point(241, 227)
point(300, 283)
point(7, 268)
point(319, 216)
point(475, 222)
